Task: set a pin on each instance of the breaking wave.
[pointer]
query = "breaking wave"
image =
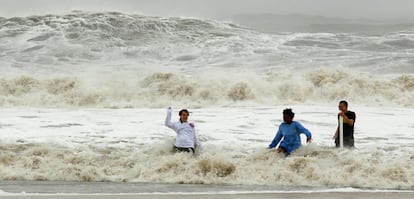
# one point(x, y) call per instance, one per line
point(64, 42)
point(160, 89)
point(123, 60)
point(311, 166)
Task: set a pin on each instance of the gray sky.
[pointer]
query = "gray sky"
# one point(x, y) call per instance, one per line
point(212, 8)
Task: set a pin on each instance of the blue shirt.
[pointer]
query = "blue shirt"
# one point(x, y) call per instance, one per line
point(291, 136)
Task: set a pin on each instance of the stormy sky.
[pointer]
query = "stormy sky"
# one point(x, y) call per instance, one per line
point(374, 9)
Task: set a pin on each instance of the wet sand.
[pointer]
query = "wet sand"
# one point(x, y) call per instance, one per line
point(336, 195)
point(110, 190)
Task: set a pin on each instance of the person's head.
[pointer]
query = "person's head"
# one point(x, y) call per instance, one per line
point(184, 115)
point(343, 106)
point(288, 115)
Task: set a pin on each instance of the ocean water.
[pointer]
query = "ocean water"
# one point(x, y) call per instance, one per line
point(83, 99)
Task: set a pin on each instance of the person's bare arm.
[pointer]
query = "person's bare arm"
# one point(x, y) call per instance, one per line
point(348, 121)
point(336, 133)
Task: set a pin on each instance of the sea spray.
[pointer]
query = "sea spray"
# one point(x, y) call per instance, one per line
point(119, 90)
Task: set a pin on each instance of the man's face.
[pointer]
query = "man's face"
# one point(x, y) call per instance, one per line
point(184, 116)
point(287, 119)
point(342, 107)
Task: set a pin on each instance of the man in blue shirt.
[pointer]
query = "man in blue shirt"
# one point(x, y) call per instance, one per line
point(290, 132)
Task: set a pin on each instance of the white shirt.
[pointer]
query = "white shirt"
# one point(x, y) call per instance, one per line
point(186, 136)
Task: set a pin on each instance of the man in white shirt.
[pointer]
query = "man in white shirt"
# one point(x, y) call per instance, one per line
point(186, 139)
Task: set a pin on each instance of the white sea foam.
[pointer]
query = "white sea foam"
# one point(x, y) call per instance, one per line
point(132, 145)
point(160, 89)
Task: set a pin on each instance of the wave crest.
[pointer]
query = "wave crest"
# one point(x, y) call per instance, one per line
point(240, 91)
point(309, 166)
point(160, 89)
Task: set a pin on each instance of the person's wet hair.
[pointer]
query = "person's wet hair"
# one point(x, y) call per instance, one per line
point(183, 110)
point(289, 112)
point(344, 103)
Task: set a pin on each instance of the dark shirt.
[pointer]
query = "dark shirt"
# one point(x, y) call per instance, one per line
point(348, 131)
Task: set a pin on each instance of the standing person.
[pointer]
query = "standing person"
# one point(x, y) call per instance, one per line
point(348, 125)
point(186, 139)
point(290, 131)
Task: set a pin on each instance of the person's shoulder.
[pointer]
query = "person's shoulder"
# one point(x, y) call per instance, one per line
point(297, 123)
point(282, 124)
point(177, 122)
point(351, 114)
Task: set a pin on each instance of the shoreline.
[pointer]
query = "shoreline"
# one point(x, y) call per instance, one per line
point(109, 190)
point(309, 195)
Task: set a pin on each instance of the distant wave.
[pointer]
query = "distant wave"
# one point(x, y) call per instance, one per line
point(274, 23)
point(160, 89)
point(120, 60)
point(83, 38)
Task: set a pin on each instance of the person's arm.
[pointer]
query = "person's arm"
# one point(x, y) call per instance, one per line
point(277, 139)
point(336, 133)
point(337, 129)
point(347, 120)
point(304, 131)
point(168, 122)
point(197, 142)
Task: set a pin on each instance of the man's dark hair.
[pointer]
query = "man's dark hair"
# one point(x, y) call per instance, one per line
point(344, 103)
point(289, 112)
point(183, 110)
